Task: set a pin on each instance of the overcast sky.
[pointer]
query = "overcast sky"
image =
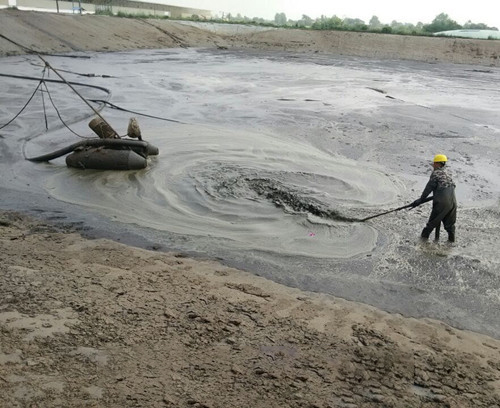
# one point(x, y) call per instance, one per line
point(413, 11)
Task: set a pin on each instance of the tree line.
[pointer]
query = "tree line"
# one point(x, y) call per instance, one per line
point(442, 22)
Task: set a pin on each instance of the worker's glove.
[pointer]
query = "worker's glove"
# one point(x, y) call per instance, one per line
point(416, 203)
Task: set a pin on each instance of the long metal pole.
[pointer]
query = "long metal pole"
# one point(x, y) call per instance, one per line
point(386, 212)
point(397, 209)
point(57, 5)
point(75, 91)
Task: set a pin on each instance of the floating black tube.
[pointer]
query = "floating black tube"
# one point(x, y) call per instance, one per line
point(106, 159)
point(137, 145)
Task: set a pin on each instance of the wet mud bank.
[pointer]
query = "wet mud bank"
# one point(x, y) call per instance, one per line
point(94, 322)
point(271, 155)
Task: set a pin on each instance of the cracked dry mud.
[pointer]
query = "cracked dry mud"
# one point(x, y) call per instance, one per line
point(97, 323)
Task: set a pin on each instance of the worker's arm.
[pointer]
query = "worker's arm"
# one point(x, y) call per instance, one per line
point(430, 187)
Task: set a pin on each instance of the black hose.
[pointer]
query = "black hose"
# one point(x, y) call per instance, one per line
point(57, 81)
point(89, 143)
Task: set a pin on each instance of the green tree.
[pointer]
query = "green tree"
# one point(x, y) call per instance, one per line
point(477, 26)
point(325, 23)
point(305, 21)
point(354, 24)
point(375, 23)
point(280, 19)
point(442, 23)
point(404, 28)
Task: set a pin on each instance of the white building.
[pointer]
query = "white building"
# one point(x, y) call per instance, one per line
point(115, 6)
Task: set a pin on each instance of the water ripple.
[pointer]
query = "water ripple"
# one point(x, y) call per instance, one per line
point(252, 189)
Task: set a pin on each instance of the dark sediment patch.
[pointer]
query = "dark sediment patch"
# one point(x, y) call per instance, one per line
point(293, 200)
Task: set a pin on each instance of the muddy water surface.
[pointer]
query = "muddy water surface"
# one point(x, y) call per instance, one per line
point(270, 161)
point(251, 189)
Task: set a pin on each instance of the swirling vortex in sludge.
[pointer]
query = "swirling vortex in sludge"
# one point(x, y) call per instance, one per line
point(252, 191)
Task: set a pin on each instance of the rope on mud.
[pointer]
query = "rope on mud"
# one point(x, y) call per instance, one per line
point(76, 92)
point(418, 104)
point(43, 82)
point(59, 114)
point(101, 101)
point(134, 112)
point(25, 105)
point(78, 73)
point(30, 51)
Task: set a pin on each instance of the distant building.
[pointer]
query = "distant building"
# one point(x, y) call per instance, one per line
point(113, 6)
point(479, 34)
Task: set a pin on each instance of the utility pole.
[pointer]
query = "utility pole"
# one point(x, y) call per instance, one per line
point(80, 6)
point(57, 4)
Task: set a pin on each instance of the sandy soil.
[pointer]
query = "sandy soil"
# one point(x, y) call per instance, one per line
point(97, 323)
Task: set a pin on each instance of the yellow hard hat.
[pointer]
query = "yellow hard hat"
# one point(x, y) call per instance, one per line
point(440, 158)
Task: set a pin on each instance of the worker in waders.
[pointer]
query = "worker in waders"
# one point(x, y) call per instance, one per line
point(444, 203)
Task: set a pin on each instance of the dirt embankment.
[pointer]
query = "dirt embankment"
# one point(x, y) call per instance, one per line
point(97, 323)
point(45, 32)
